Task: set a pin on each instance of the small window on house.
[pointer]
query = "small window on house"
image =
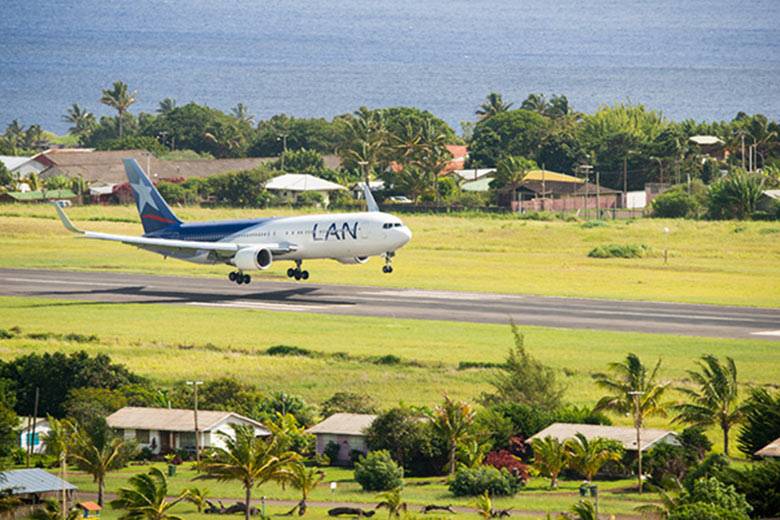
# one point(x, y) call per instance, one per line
point(142, 436)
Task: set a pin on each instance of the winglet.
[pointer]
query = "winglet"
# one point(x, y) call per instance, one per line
point(370, 202)
point(65, 220)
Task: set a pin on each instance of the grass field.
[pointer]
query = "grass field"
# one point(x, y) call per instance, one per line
point(169, 343)
point(536, 496)
point(735, 263)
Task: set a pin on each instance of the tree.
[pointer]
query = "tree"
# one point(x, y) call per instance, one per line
point(82, 121)
point(120, 99)
point(146, 498)
point(494, 104)
point(588, 456)
point(166, 106)
point(250, 460)
point(377, 471)
point(364, 141)
point(582, 510)
point(484, 506)
point(85, 404)
point(198, 497)
point(281, 132)
point(9, 423)
point(241, 112)
point(96, 450)
point(6, 177)
point(305, 480)
point(761, 423)
point(633, 389)
point(715, 493)
point(524, 380)
point(735, 196)
point(392, 501)
point(348, 402)
point(715, 397)
point(411, 442)
point(284, 403)
point(51, 510)
point(549, 458)
point(516, 132)
point(453, 420)
point(300, 161)
point(510, 174)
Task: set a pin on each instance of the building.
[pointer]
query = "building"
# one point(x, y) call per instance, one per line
point(37, 196)
point(163, 430)
point(474, 174)
point(710, 145)
point(21, 167)
point(770, 450)
point(26, 436)
point(33, 485)
point(347, 430)
point(89, 509)
point(290, 186)
point(626, 436)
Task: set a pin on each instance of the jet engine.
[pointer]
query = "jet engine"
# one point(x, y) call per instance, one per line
point(250, 258)
point(353, 260)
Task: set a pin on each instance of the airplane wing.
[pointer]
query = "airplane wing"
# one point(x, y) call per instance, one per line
point(228, 249)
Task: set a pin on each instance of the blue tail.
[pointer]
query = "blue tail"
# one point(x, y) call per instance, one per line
point(155, 212)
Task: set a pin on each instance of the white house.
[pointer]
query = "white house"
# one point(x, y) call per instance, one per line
point(166, 429)
point(624, 435)
point(347, 430)
point(21, 167)
point(291, 185)
point(26, 433)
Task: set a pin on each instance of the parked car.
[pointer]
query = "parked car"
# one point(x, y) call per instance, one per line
point(399, 199)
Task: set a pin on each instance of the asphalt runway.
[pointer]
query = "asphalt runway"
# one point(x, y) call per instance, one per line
point(647, 317)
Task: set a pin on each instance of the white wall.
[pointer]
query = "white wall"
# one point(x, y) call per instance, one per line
point(41, 430)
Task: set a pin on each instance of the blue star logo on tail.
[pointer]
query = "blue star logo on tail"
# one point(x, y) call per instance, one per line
point(143, 194)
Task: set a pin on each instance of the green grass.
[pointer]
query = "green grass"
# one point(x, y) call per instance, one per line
point(170, 342)
point(709, 262)
point(536, 496)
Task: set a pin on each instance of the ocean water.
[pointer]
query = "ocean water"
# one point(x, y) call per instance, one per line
point(702, 59)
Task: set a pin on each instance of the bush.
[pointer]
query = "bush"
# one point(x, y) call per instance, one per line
point(309, 199)
point(331, 451)
point(504, 459)
point(619, 251)
point(287, 350)
point(735, 196)
point(348, 402)
point(387, 359)
point(665, 464)
point(713, 491)
point(675, 203)
point(760, 483)
point(377, 471)
point(702, 511)
point(712, 466)
point(476, 481)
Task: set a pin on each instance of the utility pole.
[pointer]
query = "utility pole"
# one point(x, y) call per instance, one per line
point(638, 425)
point(625, 180)
point(283, 138)
point(598, 194)
point(364, 166)
point(31, 439)
point(195, 385)
point(586, 169)
point(743, 150)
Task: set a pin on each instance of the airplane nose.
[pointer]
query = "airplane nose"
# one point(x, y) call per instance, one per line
point(406, 233)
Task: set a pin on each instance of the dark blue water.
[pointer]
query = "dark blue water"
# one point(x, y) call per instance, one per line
point(703, 59)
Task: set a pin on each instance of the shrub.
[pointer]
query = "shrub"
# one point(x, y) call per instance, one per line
point(666, 463)
point(760, 483)
point(675, 203)
point(504, 459)
point(377, 471)
point(593, 224)
point(735, 196)
point(701, 511)
point(348, 402)
point(713, 491)
point(712, 466)
point(287, 350)
point(309, 199)
point(331, 451)
point(4, 334)
point(619, 251)
point(387, 359)
point(412, 443)
point(476, 481)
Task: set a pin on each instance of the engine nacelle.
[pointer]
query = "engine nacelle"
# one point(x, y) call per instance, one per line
point(251, 258)
point(354, 260)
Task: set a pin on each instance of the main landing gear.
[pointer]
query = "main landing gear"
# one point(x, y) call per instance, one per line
point(239, 277)
point(297, 273)
point(388, 267)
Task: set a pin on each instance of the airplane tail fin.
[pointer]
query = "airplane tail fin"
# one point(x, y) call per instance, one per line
point(154, 211)
point(370, 202)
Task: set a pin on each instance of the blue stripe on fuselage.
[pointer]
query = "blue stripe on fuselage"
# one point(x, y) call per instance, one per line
point(206, 231)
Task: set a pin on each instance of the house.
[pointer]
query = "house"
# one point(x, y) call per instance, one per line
point(290, 186)
point(34, 484)
point(21, 167)
point(474, 174)
point(626, 436)
point(89, 509)
point(347, 430)
point(769, 200)
point(459, 155)
point(163, 430)
point(710, 145)
point(480, 185)
point(26, 436)
point(770, 450)
point(37, 196)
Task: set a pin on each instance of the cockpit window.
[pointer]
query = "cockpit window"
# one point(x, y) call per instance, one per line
point(388, 225)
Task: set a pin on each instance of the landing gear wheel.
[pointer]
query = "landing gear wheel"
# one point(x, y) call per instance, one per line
point(232, 276)
point(290, 272)
point(304, 275)
point(247, 279)
point(239, 279)
point(387, 269)
point(298, 275)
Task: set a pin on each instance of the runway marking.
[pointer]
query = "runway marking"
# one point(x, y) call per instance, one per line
point(63, 282)
point(443, 295)
point(767, 333)
point(260, 306)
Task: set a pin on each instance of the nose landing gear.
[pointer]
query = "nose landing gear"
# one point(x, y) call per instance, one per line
point(297, 273)
point(388, 267)
point(239, 277)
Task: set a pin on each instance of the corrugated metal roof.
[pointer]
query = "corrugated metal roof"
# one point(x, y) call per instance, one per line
point(770, 450)
point(41, 195)
point(33, 480)
point(706, 140)
point(480, 185)
point(12, 162)
point(344, 424)
point(301, 182)
point(171, 419)
point(624, 435)
point(548, 176)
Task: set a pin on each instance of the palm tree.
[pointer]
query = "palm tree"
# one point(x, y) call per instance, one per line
point(51, 511)
point(198, 497)
point(391, 500)
point(588, 456)
point(166, 106)
point(82, 120)
point(248, 459)
point(535, 103)
point(669, 501)
point(241, 112)
point(146, 498)
point(365, 140)
point(32, 136)
point(14, 133)
point(306, 480)
point(472, 453)
point(582, 510)
point(549, 458)
point(119, 98)
point(97, 450)
point(493, 104)
point(715, 400)
point(511, 173)
point(453, 421)
point(633, 390)
point(484, 506)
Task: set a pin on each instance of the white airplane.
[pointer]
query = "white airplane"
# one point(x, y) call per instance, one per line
point(254, 244)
